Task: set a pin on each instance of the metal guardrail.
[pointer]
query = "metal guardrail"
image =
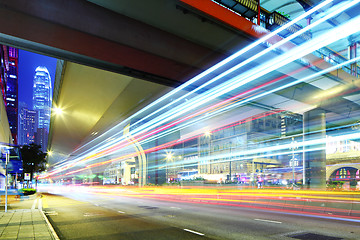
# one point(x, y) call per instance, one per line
point(334, 58)
point(276, 20)
point(271, 21)
point(250, 4)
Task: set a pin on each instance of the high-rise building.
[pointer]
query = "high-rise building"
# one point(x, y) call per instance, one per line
point(42, 96)
point(12, 92)
point(9, 86)
point(41, 138)
point(27, 126)
point(42, 99)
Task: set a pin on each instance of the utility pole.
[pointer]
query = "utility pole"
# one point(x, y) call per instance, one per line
point(230, 164)
point(293, 147)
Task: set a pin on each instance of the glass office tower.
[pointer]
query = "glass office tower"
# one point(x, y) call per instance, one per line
point(42, 96)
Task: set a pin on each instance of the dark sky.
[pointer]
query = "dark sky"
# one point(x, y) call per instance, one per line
point(28, 62)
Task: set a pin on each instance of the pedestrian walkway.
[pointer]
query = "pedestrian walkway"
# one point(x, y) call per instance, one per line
point(24, 224)
point(21, 222)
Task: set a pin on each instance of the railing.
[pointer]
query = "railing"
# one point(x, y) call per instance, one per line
point(334, 58)
point(276, 20)
point(271, 21)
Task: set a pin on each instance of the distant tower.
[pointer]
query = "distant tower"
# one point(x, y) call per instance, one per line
point(42, 96)
point(42, 100)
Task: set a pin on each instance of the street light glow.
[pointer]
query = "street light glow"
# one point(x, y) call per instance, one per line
point(207, 133)
point(169, 156)
point(57, 111)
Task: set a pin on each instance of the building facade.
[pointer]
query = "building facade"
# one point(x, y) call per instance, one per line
point(27, 126)
point(9, 86)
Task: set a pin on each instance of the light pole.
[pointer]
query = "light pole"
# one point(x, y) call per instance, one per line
point(169, 159)
point(230, 164)
point(6, 178)
point(293, 147)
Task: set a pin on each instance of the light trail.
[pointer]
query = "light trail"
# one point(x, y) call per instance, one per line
point(224, 88)
point(251, 46)
point(213, 68)
point(283, 201)
point(282, 149)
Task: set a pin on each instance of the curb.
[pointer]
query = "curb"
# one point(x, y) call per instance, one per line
point(50, 226)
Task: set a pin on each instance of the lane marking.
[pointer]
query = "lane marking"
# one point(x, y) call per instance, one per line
point(51, 213)
point(40, 204)
point(175, 207)
point(198, 233)
point(45, 202)
point(34, 204)
point(120, 212)
point(265, 220)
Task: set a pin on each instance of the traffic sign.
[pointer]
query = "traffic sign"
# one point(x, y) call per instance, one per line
point(27, 176)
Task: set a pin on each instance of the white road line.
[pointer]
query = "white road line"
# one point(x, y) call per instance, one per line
point(34, 204)
point(175, 207)
point(188, 230)
point(40, 204)
point(265, 220)
point(120, 212)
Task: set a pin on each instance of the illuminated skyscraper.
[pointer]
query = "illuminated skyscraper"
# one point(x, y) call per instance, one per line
point(9, 85)
point(42, 96)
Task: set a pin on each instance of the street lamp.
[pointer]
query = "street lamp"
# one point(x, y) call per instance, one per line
point(207, 135)
point(169, 158)
point(57, 110)
point(49, 153)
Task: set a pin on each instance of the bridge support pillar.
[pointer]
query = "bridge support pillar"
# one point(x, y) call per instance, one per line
point(314, 130)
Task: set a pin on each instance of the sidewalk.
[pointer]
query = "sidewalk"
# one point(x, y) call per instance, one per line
point(28, 223)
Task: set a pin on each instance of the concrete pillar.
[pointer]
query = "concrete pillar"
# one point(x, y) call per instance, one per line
point(314, 128)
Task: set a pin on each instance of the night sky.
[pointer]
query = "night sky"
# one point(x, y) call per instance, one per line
point(28, 62)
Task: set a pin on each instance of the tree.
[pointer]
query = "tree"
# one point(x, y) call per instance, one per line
point(34, 160)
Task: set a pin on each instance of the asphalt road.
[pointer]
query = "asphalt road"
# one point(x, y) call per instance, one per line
point(92, 215)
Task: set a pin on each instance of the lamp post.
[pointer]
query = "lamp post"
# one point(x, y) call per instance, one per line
point(293, 147)
point(6, 178)
point(230, 164)
point(207, 135)
point(169, 159)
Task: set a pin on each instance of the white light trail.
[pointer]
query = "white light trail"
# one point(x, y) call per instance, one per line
point(346, 29)
point(210, 70)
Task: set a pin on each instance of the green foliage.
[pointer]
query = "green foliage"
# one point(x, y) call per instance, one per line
point(27, 191)
point(174, 183)
point(284, 14)
point(334, 185)
point(34, 160)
